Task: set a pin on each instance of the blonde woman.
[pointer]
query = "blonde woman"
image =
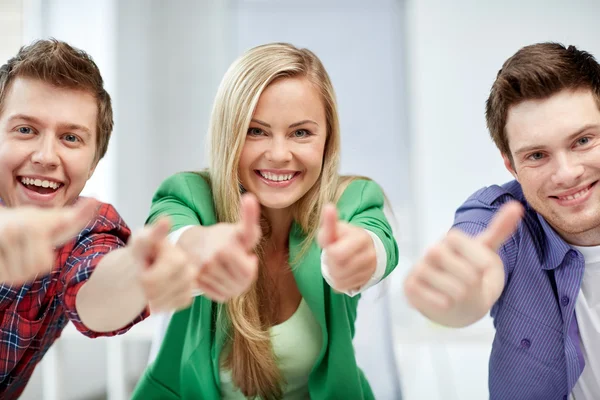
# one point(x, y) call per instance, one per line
point(299, 262)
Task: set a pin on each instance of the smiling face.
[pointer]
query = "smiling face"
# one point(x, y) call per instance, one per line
point(555, 145)
point(282, 156)
point(47, 143)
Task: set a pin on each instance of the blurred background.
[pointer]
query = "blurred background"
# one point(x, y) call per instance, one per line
point(411, 77)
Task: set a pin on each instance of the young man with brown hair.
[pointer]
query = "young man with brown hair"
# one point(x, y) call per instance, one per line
point(55, 125)
point(529, 250)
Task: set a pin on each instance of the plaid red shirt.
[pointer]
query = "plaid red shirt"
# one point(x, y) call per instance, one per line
point(33, 316)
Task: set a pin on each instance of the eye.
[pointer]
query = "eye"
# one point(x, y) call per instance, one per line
point(536, 156)
point(255, 131)
point(583, 141)
point(71, 138)
point(25, 130)
point(302, 133)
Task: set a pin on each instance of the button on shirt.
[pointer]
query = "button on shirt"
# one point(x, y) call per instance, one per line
point(536, 353)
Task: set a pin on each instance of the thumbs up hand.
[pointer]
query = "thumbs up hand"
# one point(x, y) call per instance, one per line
point(460, 278)
point(349, 252)
point(29, 235)
point(166, 274)
point(224, 253)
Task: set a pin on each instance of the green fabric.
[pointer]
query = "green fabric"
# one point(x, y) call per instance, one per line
point(187, 364)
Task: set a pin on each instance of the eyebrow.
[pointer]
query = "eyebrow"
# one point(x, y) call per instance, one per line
point(571, 137)
point(295, 124)
point(33, 120)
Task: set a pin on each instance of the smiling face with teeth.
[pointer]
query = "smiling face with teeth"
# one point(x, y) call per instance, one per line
point(47, 143)
point(282, 156)
point(555, 147)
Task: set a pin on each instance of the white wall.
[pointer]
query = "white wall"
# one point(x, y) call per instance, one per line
point(455, 50)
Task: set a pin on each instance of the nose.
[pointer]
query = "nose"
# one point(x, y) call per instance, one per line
point(45, 153)
point(568, 171)
point(279, 151)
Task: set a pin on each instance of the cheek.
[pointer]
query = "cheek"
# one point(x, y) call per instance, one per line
point(312, 157)
point(78, 166)
point(247, 159)
point(12, 155)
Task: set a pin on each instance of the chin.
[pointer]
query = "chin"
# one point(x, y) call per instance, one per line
point(277, 204)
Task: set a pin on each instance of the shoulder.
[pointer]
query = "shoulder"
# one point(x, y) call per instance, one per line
point(192, 188)
point(359, 191)
point(186, 182)
point(482, 205)
point(107, 220)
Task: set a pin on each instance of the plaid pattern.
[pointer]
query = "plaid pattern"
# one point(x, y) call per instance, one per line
point(33, 316)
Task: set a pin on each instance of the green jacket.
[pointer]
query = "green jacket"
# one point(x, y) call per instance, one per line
point(187, 364)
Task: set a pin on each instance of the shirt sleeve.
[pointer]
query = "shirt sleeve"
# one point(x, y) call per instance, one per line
point(106, 233)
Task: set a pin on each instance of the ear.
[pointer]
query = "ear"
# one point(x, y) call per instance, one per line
point(508, 164)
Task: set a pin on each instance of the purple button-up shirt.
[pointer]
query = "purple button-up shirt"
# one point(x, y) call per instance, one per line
point(536, 352)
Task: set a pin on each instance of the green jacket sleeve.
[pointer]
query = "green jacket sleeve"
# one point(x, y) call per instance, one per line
point(180, 197)
point(361, 204)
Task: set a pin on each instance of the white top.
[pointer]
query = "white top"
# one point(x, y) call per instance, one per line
point(587, 309)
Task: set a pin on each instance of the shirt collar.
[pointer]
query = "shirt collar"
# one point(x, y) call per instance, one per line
point(554, 248)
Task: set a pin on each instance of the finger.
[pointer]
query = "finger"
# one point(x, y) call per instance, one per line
point(442, 282)
point(171, 264)
point(348, 247)
point(250, 220)
point(354, 281)
point(425, 299)
point(12, 253)
point(214, 275)
point(444, 257)
point(502, 225)
point(209, 291)
point(476, 255)
point(68, 222)
point(146, 244)
point(327, 233)
point(32, 249)
point(239, 270)
point(175, 293)
point(241, 266)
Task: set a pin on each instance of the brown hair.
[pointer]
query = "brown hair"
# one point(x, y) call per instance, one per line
point(536, 72)
point(62, 65)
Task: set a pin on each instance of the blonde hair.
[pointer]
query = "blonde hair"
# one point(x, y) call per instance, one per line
point(251, 359)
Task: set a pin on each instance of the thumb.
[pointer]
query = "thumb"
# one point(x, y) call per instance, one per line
point(328, 232)
point(68, 222)
point(146, 244)
point(502, 226)
point(250, 220)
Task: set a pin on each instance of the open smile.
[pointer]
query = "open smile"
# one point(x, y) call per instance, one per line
point(279, 179)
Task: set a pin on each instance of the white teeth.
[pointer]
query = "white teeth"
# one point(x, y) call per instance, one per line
point(275, 177)
point(576, 195)
point(40, 183)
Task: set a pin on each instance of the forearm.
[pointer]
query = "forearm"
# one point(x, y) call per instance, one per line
point(113, 297)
